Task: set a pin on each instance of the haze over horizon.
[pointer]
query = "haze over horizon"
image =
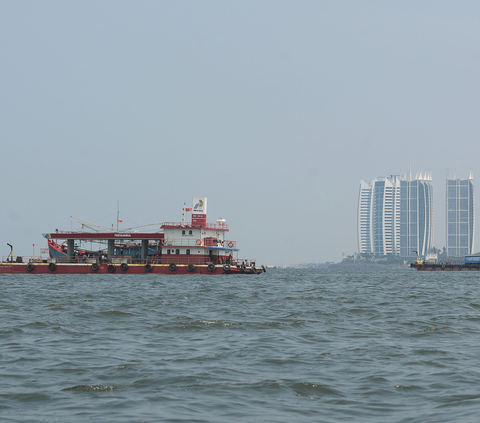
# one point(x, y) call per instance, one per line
point(273, 110)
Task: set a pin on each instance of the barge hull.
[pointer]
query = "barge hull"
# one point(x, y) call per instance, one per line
point(136, 269)
point(446, 267)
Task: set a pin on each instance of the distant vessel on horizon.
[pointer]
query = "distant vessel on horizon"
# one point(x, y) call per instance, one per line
point(431, 263)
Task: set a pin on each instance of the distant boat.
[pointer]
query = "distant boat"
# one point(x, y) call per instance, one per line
point(471, 262)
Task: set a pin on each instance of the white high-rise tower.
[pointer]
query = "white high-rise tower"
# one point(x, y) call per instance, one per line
point(379, 217)
point(395, 215)
point(460, 215)
point(416, 214)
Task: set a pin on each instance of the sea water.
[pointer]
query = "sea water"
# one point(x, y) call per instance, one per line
point(285, 346)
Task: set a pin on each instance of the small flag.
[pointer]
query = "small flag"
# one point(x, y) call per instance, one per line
point(120, 221)
point(188, 209)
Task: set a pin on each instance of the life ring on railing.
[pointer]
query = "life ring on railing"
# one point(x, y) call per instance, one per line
point(190, 267)
point(164, 241)
point(230, 244)
point(211, 267)
point(124, 267)
point(172, 267)
point(148, 268)
point(111, 268)
point(94, 267)
point(227, 268)
point(52, 267)
point(29, 267)
point(198, 241)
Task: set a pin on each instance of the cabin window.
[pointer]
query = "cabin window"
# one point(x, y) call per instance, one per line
point(188, 250)
point(183, 232)
point(190, 232)
point(177, 251)
point(168, 251)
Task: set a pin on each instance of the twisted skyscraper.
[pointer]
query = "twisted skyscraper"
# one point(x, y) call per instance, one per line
point(395, 215)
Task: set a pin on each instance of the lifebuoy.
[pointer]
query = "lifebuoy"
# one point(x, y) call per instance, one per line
point(190, 267)
point(94, 267)
point(198, 241)
point(111, 268)
point(164, 241)
point(265, 269)
point(227, 268)
point(148, 268)
point(230, 244)
point(29, 267)
point(254, 269)
point(221, 243)
point(124, 267)
point(172, 267)
point(52, 267)
point(211, 267)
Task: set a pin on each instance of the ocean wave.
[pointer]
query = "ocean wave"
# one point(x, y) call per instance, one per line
point(94, 388)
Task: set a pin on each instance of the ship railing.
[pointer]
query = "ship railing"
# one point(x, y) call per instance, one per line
point(166, 259)
point(450, 262)
point(22, 259)
point(217, 261)
point(192, 242)
point(119, 260)
point(189, 225)
point(247, 262)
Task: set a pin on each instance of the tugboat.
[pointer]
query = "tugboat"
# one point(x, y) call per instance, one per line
point(176, 248)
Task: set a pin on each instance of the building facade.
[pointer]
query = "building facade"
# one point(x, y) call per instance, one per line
point(364, 218)
point(460, 216)
point(378, 216)
point(416, 214)
point(395, 215)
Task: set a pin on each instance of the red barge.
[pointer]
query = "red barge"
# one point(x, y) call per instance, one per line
point(176, 248)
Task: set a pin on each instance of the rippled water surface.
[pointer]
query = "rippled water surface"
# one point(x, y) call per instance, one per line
point(285, 346)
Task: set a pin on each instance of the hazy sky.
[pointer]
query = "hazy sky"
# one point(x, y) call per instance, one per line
point(274, 110)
